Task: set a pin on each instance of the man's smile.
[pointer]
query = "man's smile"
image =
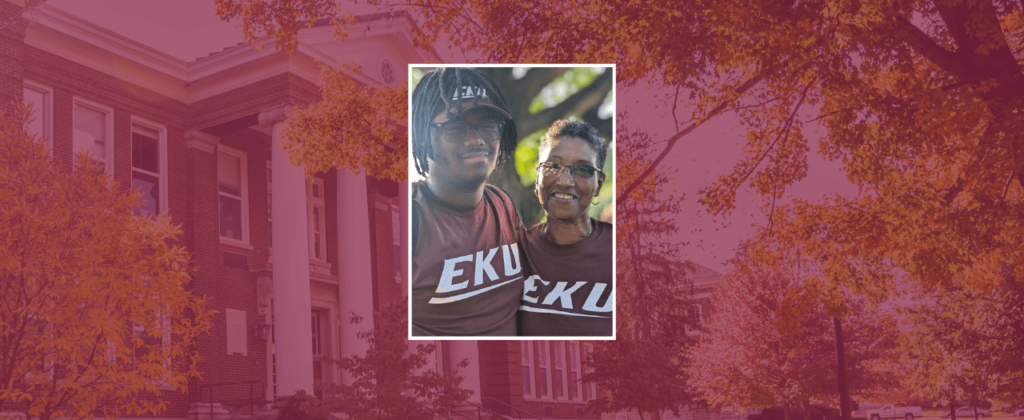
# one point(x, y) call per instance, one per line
point(476, 156)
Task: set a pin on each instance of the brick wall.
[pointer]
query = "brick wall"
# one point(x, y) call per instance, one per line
point(500, 376)
point(12, 45)
point(70, 80)
point(228, 288)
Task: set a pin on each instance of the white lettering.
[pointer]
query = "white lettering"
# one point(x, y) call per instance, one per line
point(484, 264)
point(468, 92)
point(448, 274)
point(560, 293)
point(530, 286)
point(509, 270)
point(595, 295)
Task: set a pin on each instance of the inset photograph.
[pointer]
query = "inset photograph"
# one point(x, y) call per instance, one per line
point(512, 223)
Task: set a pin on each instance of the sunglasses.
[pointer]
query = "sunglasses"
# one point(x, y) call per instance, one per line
point(459, 131)
point(578, 171)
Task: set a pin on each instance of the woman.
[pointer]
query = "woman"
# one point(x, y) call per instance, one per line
point(570, 254)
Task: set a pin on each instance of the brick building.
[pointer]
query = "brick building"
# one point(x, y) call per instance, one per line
point(272, 249)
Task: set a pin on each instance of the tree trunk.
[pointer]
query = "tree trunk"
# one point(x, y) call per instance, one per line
point(844, 387)
point(807, 409)
point(527, 205)
point(785, 412)
point(952, 409)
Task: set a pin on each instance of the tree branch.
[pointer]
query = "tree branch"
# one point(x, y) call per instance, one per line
point(675, 138)
point(927, 47)
point(533, 82)
point(577, 103)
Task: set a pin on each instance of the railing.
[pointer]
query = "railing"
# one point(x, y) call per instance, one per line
point(252, 401)
point(518, 411)
point(434, 412)
point(461, 414)
point(478, 408)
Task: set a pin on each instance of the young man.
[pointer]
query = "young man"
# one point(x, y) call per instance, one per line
point(467, 277)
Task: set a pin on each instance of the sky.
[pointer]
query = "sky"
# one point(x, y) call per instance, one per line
point(189, 29)
point(707, 153)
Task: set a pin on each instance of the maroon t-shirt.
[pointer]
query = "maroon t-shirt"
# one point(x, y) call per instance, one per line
point(467, 274)
point(569, 293)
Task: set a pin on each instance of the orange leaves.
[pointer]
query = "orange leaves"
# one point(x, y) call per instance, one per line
point(768, 341)
point(353, 127)
point(87, 289)
point(280, 19)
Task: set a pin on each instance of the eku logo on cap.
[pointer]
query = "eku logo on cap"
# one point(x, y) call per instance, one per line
point(469, 92)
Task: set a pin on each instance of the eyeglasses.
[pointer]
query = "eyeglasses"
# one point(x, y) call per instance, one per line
point(459, 131)
point(578, 171)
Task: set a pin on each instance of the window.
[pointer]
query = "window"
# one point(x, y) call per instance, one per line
point(151, 335)
point(544, 369)
point(231, 182)
point(93, 133)
point(396, 240)
point(695, 316)
point(149, 172)
point(559, 379)
point(315, 323)
point(41, 100)
point(526, 351)
point(574, 371)
point(387, 73)
point(317, 239)
point(589, 388)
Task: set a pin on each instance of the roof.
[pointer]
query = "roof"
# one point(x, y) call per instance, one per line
point(364, 18)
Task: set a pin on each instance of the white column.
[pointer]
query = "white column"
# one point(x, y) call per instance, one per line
point(293, 343)
point(355, 275)
point(466, 349)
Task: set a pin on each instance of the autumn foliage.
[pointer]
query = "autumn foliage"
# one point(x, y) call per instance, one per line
point(919, 101)
point(771, 340)
point(95, 314)
point(353, 126)
point(964, 345)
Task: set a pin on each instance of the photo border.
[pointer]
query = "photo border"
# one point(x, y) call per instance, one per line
point(408, 233)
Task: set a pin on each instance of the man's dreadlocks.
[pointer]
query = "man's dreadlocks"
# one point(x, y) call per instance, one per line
point(435, 93)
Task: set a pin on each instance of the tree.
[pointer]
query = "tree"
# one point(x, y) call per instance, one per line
point(95, 314)
point(353, 126)
point(389, 382)
point(963, 345)
point(642, 369)
point(770, 340)
point(919, 100)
